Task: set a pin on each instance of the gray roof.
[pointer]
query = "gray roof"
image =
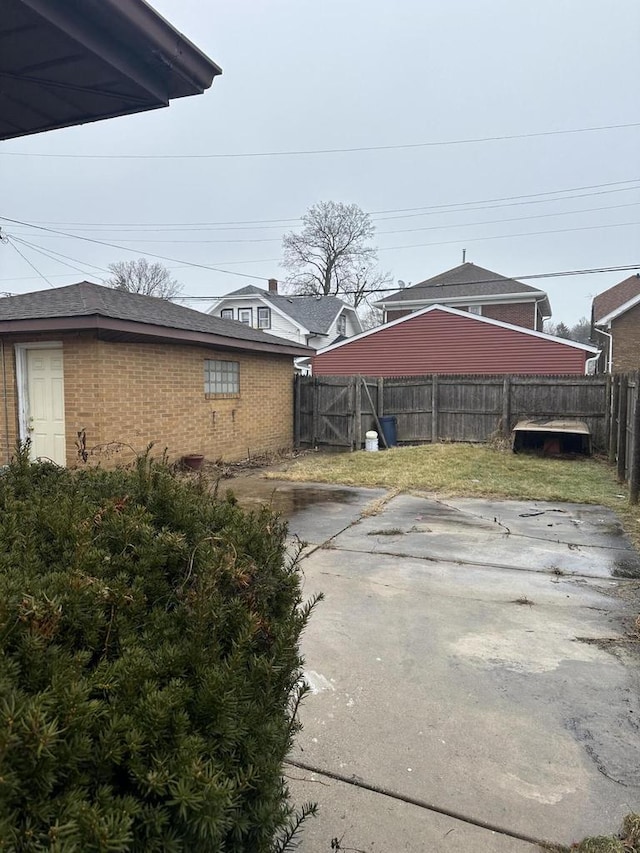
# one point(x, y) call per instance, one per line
point(315, 313)
point(464, 280)
point(86, 299)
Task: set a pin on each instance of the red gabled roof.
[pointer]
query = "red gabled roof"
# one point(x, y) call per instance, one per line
point(444, 340)
point(615, 297)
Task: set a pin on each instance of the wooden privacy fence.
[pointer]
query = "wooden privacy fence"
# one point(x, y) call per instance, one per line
point(624, 430)
point(336, 411)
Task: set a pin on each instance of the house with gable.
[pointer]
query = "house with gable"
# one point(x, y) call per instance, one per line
point(314, 321)
point(615, 326)
point(87, 370)
point(476, 290)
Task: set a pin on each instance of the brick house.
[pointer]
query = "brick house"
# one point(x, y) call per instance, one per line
point(445, 340)
point(85, 368)
point(476, 290)
point(615, 326)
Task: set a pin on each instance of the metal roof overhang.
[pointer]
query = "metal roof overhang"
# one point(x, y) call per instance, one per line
point(68, 62)
point(127, 330)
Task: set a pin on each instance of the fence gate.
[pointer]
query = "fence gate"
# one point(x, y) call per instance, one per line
point(324, 409)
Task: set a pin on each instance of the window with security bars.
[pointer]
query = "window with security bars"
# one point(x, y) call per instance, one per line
point(221, 377)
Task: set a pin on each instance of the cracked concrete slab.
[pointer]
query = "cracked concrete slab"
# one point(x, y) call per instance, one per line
point(363, 821)
point(461, 671)
point(490, 534)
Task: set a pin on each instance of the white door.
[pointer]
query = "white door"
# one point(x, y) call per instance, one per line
point(45, 404)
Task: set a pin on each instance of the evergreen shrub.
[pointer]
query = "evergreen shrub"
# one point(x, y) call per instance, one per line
point(149, 664)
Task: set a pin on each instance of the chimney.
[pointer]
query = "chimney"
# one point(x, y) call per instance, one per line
point(273, 285)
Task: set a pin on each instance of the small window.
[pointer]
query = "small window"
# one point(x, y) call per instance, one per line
point(245, 315)
point(221, 377)
point(475, 309)
point(342, 325)
point(227, 313)
point(264, 318)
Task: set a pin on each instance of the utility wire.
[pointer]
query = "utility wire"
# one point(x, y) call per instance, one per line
point(83, 226)
point(137, 252)
point(316, 151)
point(495, 280)
point(49, 253)
point(24, 258)
point(507, 236)
point(396, 231)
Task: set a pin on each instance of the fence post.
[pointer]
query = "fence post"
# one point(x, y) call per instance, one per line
point(357, 406)
point(297, 407)
point(380, 396)
point(622, 428)
point(614, 403)
point(506, 407)
point(634, 461)
point(434, 409)
point(607, 410)
point(315, 429)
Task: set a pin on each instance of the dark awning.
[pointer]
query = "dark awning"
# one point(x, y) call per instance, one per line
point(67, 62)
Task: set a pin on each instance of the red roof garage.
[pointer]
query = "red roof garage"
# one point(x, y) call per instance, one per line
point(447, 340)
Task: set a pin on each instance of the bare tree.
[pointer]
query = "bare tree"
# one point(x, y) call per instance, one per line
point(139, 276)
point(332, 254)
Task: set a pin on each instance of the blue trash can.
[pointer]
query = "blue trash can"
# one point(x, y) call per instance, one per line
point(389, 425)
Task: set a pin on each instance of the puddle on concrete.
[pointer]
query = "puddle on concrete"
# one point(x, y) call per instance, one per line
point(287, 500)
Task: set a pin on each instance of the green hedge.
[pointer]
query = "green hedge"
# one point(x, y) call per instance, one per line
point(149, 664)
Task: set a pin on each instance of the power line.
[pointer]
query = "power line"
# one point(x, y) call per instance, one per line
point(427, 209)
point(51, 254)
point(396, 231)
point(509, 236)
point(316, 151)
point(127, 249)
point(33, 267)
point(535, 276)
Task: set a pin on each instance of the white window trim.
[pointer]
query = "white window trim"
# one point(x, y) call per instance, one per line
point(250, 310)
point(268, 310)
point(222, 311)
point(475, 310)
point(22, 384)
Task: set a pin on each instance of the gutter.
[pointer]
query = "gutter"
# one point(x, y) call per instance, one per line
point(399, 304)
point(150, 332)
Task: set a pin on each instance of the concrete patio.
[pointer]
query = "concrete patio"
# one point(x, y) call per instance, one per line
point(470, 656)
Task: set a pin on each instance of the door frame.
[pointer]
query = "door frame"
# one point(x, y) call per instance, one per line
point(22, 384)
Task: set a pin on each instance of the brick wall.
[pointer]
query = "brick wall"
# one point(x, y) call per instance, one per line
point(516, 313)
point(137, 393)
point(626, 341)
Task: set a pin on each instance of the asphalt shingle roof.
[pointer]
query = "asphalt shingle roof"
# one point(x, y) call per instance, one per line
point(315, 313)
point(464, 280)
point(615, 296)
point(86, 299)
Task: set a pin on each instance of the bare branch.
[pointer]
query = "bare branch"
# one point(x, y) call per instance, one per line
point(139, 276)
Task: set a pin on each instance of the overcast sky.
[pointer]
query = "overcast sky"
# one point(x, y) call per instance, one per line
point(300, 75)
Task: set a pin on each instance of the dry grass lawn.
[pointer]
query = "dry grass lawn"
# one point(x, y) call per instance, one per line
point(473, 470)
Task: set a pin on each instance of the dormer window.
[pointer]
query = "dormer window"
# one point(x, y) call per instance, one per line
point(264, 318)
point(342, 325)
point(227, 313)
point(245, 315)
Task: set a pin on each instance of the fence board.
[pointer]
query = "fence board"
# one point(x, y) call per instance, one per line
point(454, 408)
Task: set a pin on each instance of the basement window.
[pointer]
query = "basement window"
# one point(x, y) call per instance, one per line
point(221, 377)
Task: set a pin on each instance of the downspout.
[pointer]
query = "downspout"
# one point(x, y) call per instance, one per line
point(4, 395)
point(610, 359)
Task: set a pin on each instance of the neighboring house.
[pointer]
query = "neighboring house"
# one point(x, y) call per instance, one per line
point(85, 366)
point(476, 290)
point(440, 339)
point(65, 63)
point(316, 321)
point(615, 326)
